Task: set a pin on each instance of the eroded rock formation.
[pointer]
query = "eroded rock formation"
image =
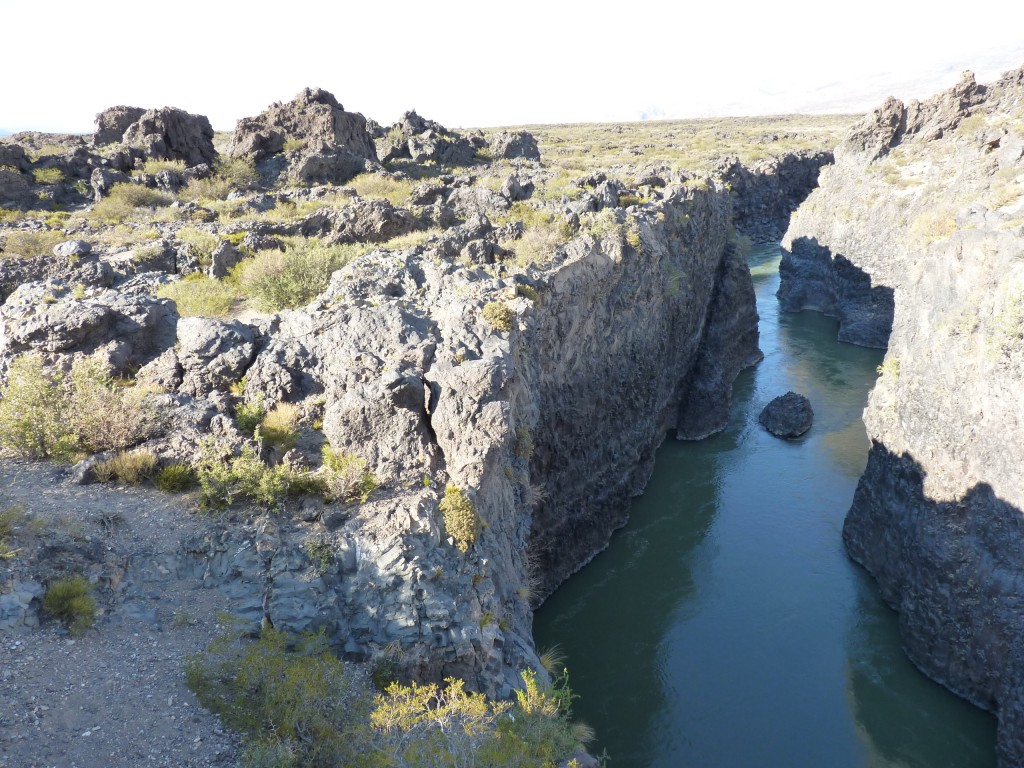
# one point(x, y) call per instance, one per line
point(918, 228)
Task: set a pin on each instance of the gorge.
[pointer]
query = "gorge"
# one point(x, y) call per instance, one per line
point(500, 346)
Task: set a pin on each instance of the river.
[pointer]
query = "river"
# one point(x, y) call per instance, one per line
point(724, 626)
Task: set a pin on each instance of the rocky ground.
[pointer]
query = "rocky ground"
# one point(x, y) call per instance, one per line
point(913, 241)
point(116, 695)
point(497, 343)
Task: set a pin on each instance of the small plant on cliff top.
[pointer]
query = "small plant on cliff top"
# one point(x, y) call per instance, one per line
point(347, 477)
point(499, 315)
point(460, 517)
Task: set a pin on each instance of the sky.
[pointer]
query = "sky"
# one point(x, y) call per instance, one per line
point(478, 64)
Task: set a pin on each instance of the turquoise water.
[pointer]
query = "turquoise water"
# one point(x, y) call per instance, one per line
point(725, 626)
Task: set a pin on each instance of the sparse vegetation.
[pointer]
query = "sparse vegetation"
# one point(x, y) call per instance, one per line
point(128, 201)
point(280, 426)
point(30, 244)
point(375, 185)
point(249, 416)
point(200, 296)
point(70, 601)
point(48, 175)
point(297, 705)
point(321, 554)
point(499, 315)
point(276, 281)
point(129, 467)
point(226, 479)
point(347, 478)
point(461, 520)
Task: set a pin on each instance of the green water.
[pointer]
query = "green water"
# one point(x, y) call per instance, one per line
point(725, 626)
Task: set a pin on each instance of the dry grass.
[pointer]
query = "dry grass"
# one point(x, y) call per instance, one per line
point(690, 145)
point(374, 185)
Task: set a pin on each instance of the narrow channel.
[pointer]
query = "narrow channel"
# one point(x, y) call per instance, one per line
point(725, 626)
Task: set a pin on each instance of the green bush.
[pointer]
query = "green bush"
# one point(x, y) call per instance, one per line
point(249, 416)
point(70, 601)
point(276, 281)
point(175, 478)
point(48, 175)
point(34, 411)
point(346, 476)
point(460, 517)
point(223, 480)
point(199, 296)
point(499, 315)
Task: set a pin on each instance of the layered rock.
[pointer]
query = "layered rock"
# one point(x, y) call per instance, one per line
point(918, 225)
point(172, 134)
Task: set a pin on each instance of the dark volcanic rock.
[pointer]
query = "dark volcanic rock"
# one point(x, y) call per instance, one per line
point(314, 119)
point(914, 226)
point(787, 416)
point(420, 140)
point(172, 134)
point(113, 122)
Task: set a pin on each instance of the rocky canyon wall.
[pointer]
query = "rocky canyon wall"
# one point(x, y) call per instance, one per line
point(914, 241)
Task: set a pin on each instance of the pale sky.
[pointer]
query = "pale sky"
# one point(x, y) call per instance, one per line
point(483, 64)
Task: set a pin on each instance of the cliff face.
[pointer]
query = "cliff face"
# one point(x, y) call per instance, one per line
point(548, 421)
point(917, 229)
point(627, 345)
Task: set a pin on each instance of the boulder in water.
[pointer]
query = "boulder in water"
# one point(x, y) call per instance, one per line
point(787, 416)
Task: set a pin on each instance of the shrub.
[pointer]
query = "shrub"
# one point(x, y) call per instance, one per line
point(69, 601)
point(297, 705)
point(280, 426)
point(199, 296)
point(297, 702)
point(34, 411)
point(278, 281)
point(499, 315)
point(126, 201)
point(249, 416)
point(130, 467)
point(228, 175)
point(104, 415)
point(347, 478)
point(175, 478)
point(48, 175)
point(153, 167)
point(202, 243)
point(321, 554)
point(31, 244)
point(223, 480)
point(460, 517)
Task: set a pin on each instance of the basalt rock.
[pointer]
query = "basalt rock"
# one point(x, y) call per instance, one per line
point(420, 140)
point(50, 318)
point(313, 120)
point(905, 256)
point(787, 416)
point(112, 123)
point(172, 134)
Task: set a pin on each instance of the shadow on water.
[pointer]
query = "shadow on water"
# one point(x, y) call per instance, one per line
point(724, 625)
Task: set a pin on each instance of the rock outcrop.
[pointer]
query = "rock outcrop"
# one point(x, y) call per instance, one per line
point(513, 145)
point(325, 143)
point(172, 134)
point(420, 140)
point(111, 124)
point(787, 416)
point(917, 229)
